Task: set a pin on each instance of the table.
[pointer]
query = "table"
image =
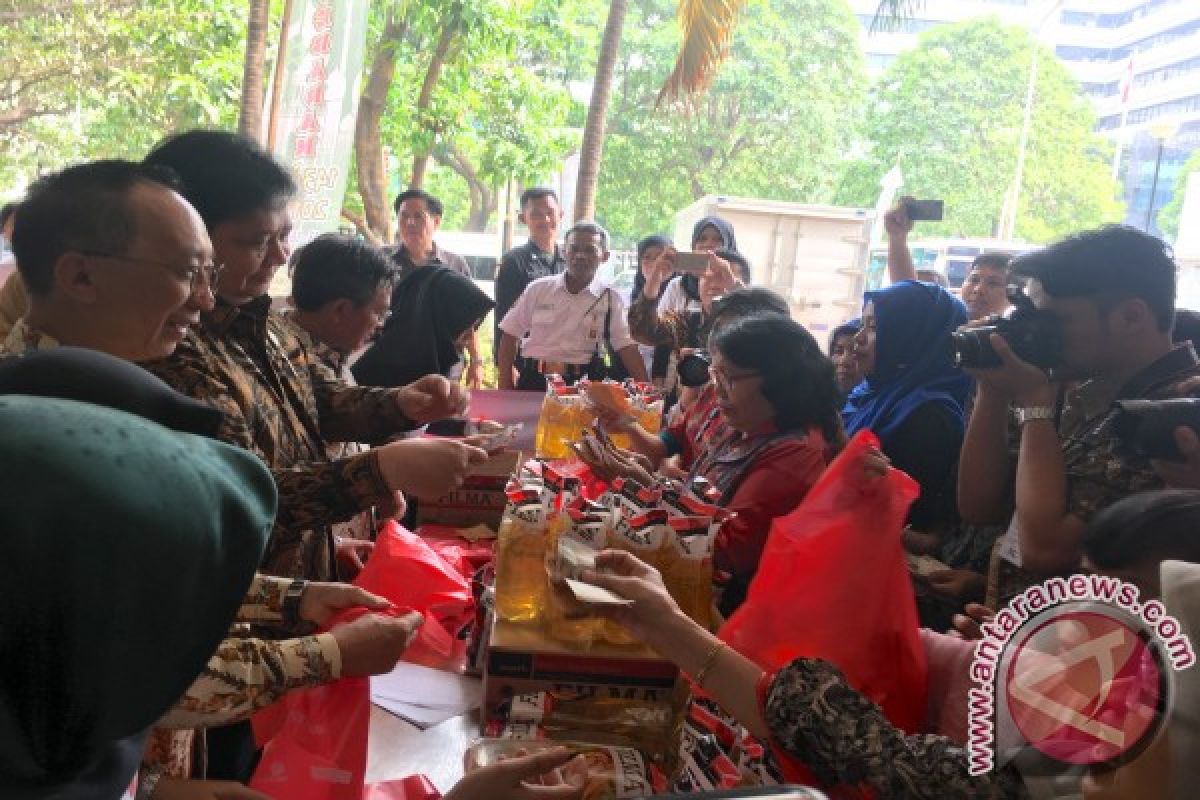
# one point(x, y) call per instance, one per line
point(397, 749)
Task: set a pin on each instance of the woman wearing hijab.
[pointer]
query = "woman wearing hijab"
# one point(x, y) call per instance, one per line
point(709, 235)
point(434, 311)
point(913, 395)
point(95, 646)
point(676, 320)
point(648, 251)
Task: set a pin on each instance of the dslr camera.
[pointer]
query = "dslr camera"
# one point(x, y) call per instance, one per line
point(1033, 335)
point(1147, 427)
point(693, 369)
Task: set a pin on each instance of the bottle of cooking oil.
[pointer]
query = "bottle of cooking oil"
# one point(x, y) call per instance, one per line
point(566, 619)
point(686, 566)
point(645, 535)
point(520, 552)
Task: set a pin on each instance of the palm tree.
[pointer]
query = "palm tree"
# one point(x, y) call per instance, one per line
point(593, 129)
point(707, 27)
point(253, 74)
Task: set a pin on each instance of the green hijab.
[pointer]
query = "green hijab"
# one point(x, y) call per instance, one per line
point(128, 549)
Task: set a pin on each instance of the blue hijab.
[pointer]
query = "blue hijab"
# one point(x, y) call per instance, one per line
point(913, 365)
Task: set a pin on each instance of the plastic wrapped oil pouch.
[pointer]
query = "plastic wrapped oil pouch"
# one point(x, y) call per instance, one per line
point(686, 566)
point(649, 726)
point(611, 772)
point(564, 414)
point(646, 535)
point(520, 551)
point(567, 620)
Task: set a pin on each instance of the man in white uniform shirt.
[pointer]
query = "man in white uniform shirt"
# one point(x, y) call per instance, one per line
point(569, 319)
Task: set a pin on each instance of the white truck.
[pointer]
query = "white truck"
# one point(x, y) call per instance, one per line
point(815, 256)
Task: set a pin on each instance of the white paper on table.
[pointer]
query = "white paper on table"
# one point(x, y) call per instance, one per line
point(425, 696)
point(420, 716)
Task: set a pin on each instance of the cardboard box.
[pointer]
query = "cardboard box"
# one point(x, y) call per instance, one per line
point(480, 500)
point(521, 659)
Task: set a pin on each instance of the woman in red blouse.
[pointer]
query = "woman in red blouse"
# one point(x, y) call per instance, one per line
point(761, 433)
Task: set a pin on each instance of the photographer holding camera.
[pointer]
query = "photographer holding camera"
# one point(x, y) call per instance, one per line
point(1102, 303)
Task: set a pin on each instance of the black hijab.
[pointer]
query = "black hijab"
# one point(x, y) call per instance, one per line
point(691, 283)
point(431, 308)
point(129, 549)
point(639, 280)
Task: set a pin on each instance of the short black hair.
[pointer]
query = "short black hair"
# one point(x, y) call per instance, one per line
point(993, 260)
point(434, 205)
point(798, 379)
point(81, 208)
point(6, 213)
point(1148, 526)
point(746, 302)
point(587, 226)
point(1187, 327)
point(225, 175)
point(335, 266)
point(537, 193)
point(1112, 263)
point(848, 328)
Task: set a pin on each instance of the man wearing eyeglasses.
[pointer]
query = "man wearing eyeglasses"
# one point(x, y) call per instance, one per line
point(129, 275)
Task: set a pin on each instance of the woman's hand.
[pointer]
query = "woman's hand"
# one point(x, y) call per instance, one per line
point(659, 272)
point(555, 774)
point(970, 625)
point(653, 611)
point(613, 420)
point(875, 464)
point(612, 462)
point(960, 584)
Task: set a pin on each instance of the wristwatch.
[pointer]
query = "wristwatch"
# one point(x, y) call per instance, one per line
point(1030, 413)
point(291, 603)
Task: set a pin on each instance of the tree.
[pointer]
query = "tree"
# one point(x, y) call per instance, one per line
point(949, 113)
point(774, 123)
point(593, 129)
point(250, 116)
point(1169, 215)
point(110, 78)
point(487, 104)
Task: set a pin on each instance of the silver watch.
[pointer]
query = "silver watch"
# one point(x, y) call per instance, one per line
point(1029, 413)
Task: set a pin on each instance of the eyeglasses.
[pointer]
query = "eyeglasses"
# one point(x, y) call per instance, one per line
point(212, 272)
point(726, 381)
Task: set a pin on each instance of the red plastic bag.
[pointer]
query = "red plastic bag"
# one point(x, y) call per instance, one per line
point(414, 787)
point(315, 740)
point(833, 584)
point(406, 570)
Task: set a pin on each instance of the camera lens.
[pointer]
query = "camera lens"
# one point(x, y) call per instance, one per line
point(693, 369)
point(972, 349)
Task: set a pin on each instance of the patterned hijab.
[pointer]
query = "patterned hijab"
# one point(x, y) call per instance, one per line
point(129, 548)
point(913, 364)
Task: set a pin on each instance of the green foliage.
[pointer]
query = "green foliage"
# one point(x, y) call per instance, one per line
point(773, 125)
point(500, 108)
point(950, 113)
point(1168, 215)
point(109, 78)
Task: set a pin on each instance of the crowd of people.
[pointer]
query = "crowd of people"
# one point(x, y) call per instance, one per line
point(200, 474)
